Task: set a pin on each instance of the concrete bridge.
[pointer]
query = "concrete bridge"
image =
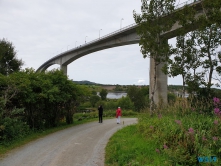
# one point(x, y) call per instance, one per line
point(124, 36)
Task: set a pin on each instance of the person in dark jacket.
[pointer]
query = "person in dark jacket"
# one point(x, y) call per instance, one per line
point(100, 112)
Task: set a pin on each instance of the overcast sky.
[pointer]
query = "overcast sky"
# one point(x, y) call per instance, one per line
point(41, 29)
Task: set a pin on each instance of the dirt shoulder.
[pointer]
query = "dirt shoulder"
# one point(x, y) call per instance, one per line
point(82, 145)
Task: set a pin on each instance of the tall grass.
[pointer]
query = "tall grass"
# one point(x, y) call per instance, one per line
point(128, 147)
point(174, 135)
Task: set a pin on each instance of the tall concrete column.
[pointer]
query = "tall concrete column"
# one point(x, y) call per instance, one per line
point(160, 91)
point(64, 68)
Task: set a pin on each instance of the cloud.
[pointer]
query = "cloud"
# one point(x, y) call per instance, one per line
point(141, 82)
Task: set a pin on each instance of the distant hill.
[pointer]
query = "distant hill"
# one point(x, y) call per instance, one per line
point(85, 82)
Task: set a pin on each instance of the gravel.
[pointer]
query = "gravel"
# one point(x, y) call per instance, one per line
point(81, 145)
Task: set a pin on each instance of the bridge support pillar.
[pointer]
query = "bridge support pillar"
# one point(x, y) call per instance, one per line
point(160, 90)
point(64, 68)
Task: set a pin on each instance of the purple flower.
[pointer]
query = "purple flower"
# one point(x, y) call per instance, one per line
point(178, 122)
point(216, 122)
point(157, 150)
point(165, 146)
point(216, 111)
point(191, 131)
point(159, 116)
point(215, 138)
point(151, 127)
point(216, 100)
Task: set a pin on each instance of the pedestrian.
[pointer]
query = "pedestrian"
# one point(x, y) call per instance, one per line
point(100, 113)
point(118, 114)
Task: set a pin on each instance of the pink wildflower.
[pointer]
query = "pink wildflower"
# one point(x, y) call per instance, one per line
point(157, 150)
point(165, 146)
point(215, 138)
point(160, 116)
point(216, 100)
point(217, 111)
point(191, 131)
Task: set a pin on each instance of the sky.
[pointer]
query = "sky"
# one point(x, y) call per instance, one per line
point(42, 29)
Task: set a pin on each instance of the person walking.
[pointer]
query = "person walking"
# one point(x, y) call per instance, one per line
point(100, 113)
point(118, 114)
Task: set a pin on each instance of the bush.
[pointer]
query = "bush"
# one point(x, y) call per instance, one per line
point(125, 103)
point(12, 128)
point(111, 104)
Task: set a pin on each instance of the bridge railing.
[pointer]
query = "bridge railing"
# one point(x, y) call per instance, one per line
point(119, 30)
point(109, 34)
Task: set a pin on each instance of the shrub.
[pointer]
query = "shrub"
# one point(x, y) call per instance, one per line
point(12, 127)
point(125, 103)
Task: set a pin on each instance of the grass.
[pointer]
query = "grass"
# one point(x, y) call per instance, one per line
point(128, 147)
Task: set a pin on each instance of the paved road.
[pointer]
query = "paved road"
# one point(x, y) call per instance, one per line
point(81, 145)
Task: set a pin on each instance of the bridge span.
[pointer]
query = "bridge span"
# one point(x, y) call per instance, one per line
point(121, 37)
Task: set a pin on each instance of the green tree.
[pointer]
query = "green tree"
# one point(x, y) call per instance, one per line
point(196, 51)
point(186, 57)
point(12, 121)
point(111, 104)
point(118, 88)
point(139, 99)
point(47, 97)
point(145, 90)
point(218, 70)
point(209, 41)
point(8, 61)
point(94, 99)
point(93, 92)
point(151, 25)
point(103, 94)
point(39, 100)
point(125, 103)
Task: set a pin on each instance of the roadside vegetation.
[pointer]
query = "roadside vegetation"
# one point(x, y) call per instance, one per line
point(180, 134)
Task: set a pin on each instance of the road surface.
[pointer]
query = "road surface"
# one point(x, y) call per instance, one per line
point(81, 145)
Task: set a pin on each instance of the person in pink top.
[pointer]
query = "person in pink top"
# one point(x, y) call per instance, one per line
point(118, 115)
